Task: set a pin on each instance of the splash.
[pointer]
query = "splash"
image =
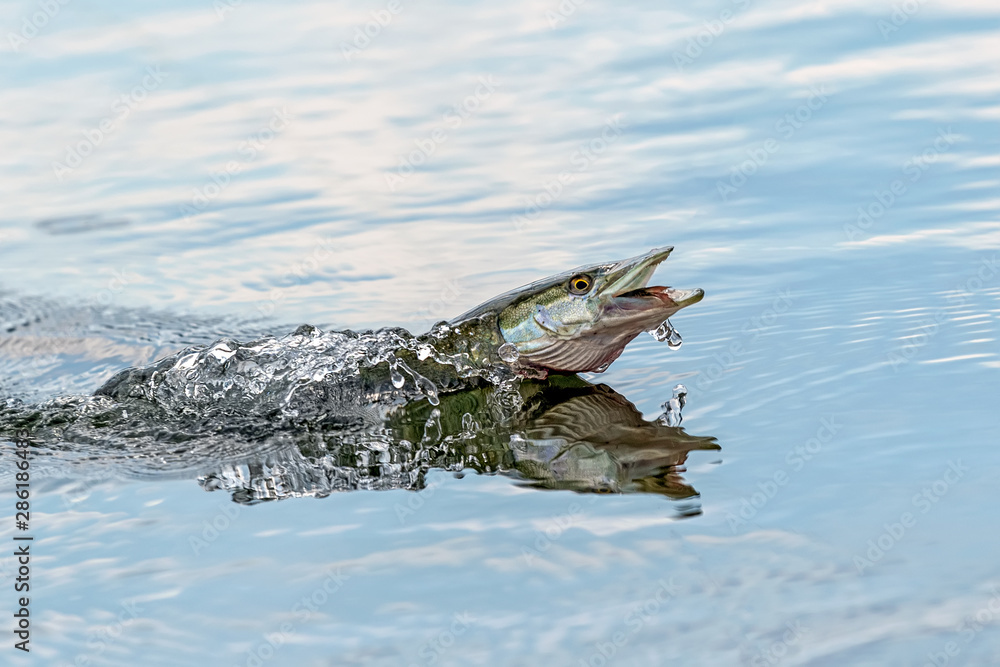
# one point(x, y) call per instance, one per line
point(672, 409)
point(423, 385)
point(667, 332)
point(311, 367)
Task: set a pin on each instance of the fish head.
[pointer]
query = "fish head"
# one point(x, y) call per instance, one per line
point(581, 320)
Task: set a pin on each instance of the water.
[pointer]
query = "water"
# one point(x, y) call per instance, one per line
point(827, 173)
point(672, 408)
point(667, 332)
point(508, 353)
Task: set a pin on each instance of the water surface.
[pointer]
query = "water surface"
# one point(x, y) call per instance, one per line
point(827, 172)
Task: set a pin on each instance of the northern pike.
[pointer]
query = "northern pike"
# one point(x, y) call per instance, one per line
point(326, 398)
point(576, 321)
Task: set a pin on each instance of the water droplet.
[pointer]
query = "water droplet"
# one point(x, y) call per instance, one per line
point(429, 390)
point(667, 332)
point(425, 386)
point(469, 424)
point(432, 428)
point(662, 332)
point(672, 408)
point(397, 378)
point(508, 353)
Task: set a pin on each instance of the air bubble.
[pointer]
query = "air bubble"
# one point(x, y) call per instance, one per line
point(508, 353)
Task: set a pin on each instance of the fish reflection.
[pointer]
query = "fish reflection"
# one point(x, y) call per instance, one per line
point(561, 433)
point(568, 434)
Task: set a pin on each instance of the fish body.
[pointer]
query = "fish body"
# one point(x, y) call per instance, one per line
point(576, 321)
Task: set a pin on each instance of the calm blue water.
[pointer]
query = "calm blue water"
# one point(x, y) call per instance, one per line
point(828, 173)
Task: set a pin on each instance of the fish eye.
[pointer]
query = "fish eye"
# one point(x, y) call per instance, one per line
point(580, 284)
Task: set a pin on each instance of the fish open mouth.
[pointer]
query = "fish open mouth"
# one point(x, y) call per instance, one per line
point(628, 289)
point(674, 298)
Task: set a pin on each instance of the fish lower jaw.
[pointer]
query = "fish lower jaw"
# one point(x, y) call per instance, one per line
point(685, 297)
